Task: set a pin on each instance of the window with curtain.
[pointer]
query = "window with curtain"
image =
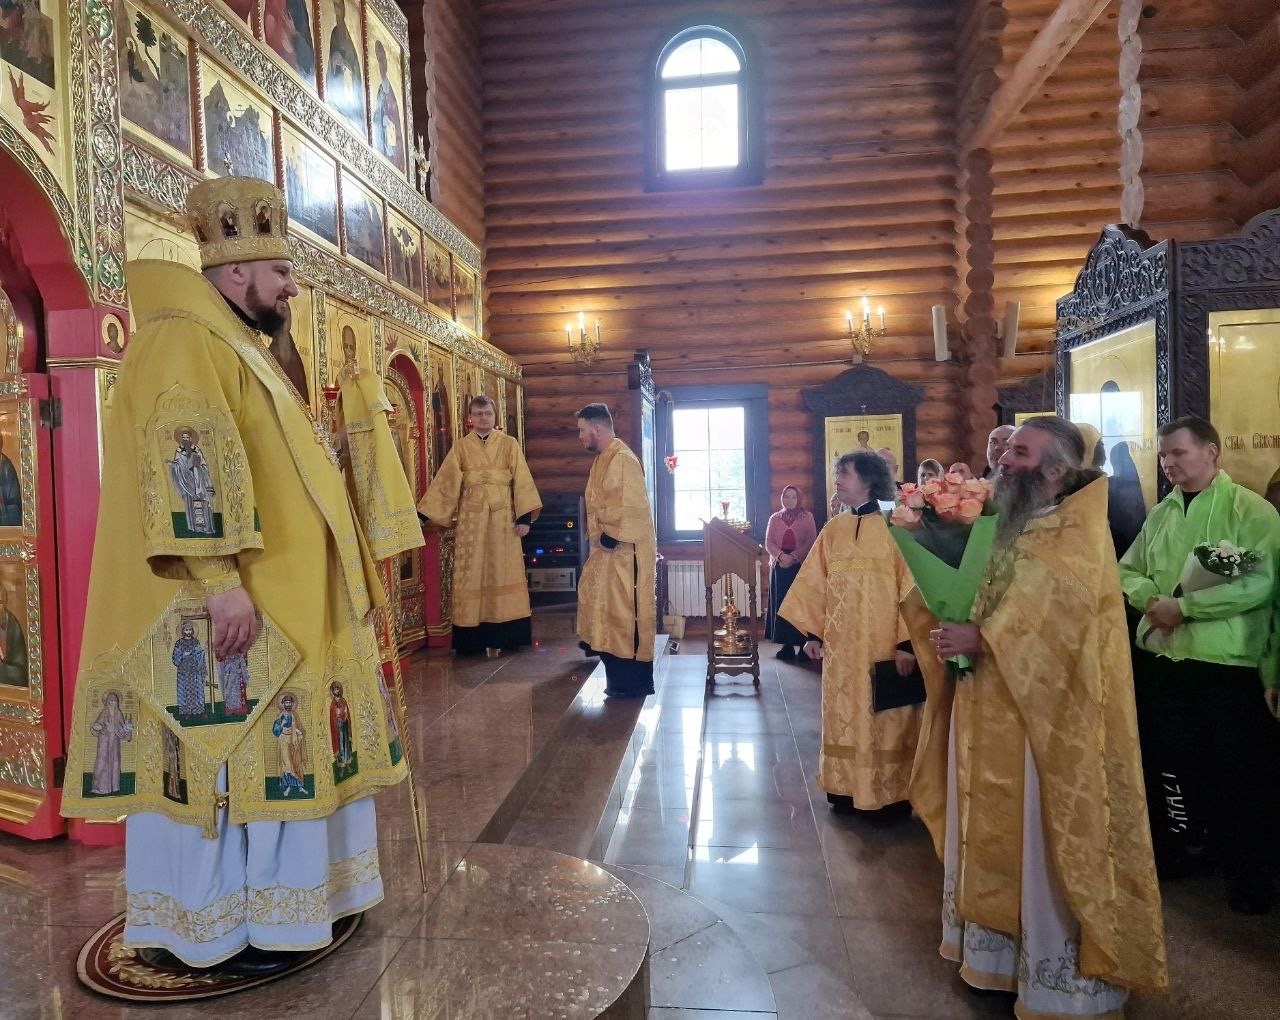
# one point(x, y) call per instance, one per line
point(705, 124)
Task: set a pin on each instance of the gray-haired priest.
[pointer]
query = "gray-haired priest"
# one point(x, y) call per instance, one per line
point(1028, 773)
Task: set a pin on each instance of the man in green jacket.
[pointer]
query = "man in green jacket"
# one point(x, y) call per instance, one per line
point(1205, 715)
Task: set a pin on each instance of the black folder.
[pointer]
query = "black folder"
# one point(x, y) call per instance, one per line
point(889, 690)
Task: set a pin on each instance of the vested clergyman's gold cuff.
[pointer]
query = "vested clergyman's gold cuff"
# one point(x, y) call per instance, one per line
point(214, 574)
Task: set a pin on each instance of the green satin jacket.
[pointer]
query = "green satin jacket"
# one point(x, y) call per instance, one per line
point(1229, 623)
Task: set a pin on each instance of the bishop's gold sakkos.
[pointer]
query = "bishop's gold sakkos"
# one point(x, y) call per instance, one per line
point(207, 450)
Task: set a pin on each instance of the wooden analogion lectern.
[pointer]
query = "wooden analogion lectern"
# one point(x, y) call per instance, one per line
point(734, 648)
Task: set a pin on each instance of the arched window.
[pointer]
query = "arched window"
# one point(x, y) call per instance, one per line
point(705, 112)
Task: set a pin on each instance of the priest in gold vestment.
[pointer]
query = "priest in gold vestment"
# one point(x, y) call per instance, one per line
point(485, 484)
point(218, 620)
point(617, 598)
point(846, 599)
point(1028, 774)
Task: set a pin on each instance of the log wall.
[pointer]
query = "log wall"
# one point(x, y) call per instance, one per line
point(444, 43)
point(722, 286)
point(1257, 115)
point(1210, 120)
point(1057, 176)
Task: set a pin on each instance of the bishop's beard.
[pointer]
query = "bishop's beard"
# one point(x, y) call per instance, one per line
point(268, 319)
point(1018, 498)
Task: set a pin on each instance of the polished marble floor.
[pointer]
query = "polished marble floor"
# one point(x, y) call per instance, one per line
point(761, 903)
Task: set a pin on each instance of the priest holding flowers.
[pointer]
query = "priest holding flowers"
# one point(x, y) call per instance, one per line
point(1028, 774)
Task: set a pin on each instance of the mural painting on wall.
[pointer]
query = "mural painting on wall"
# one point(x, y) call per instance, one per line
point(301, 327)
point(1244, 394)
point(405, 252)
point(491, 386)
point(32, 82)
point(386, 89)
point(155, 80)
point(344, 68)
point(513, 410)
point(146, 239)
point(311, 186)
point(10, 479)
point(362, 220)
point(439, 276)
point(288, 26)
point(468, 385)
point(243, 9)
point(15, 655)
point(350, 343)
point(849, 433)
point(237, 127)
point(440, 381)
point(464, 297)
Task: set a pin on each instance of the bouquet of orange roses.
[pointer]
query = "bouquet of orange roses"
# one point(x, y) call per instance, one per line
point(945, 530)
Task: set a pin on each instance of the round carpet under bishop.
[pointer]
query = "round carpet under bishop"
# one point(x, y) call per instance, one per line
point(105, 965)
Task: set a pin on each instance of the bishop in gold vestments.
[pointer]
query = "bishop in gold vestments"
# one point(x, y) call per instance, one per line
point(485, 484)
point(1028, 773)
point(230, 590)
point(617, 600)
point(846, 596)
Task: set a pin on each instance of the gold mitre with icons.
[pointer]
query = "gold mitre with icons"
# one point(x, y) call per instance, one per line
point(238, 219)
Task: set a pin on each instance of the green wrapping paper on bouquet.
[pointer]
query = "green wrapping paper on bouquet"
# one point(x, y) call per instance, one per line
point(946, 537)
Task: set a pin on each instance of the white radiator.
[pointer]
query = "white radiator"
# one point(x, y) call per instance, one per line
point(687, 590)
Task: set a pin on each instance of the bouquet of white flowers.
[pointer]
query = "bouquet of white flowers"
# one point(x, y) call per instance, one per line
point(1222, 562)
point(1207, 566)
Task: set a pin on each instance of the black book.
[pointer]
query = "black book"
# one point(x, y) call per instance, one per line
point(889, 690)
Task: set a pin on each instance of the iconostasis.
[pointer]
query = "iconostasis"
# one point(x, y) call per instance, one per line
point(109, 113)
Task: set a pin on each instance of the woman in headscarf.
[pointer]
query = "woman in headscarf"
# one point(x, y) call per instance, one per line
point(929, 469)
point(788, 539)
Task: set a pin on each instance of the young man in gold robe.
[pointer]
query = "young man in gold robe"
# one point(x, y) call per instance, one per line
point(846, 599)
point(485, 484)
point(241, 830)
point(617, 600)
point(1028, 774)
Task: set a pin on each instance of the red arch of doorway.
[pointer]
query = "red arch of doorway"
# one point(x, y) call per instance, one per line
point(63, 329)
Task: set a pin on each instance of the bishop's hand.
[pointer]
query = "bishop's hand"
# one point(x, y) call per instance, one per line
point(235, 622)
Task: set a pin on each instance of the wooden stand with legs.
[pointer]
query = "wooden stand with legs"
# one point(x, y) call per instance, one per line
point(733, 649)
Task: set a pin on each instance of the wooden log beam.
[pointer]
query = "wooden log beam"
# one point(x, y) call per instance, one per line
point(1053, 42)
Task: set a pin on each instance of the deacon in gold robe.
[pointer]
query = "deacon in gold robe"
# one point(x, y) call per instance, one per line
point(617, 601)
point(485, 484)
point(1028, 774)
point(241, 832)
point(846, 598)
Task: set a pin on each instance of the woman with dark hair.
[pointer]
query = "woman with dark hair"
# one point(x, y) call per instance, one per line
point(788, 538)
point(846, 599)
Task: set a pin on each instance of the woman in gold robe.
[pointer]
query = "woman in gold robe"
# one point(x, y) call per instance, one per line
point(846, 599)
point(485, 484)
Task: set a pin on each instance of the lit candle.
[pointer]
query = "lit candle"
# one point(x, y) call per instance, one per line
point(880, 310)
point(597, 332)
point(582, 324)
point(568, 334)
point(848, 317)
point(866, 312)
